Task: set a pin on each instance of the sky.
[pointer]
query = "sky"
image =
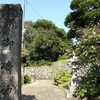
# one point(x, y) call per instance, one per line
point(52, 10)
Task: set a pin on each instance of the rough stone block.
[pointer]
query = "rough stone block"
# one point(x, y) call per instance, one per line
point(72, 99)
point(32, 78)
point(10, 51)
point(69, 95)
point(73, 83)
point(72, 88)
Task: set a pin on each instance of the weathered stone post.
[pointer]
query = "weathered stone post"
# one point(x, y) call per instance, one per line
point(10, 51)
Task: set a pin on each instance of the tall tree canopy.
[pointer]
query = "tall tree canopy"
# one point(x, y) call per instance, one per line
point(88, 50)
point(84, 22)
point(85, 13)
point(45, 41)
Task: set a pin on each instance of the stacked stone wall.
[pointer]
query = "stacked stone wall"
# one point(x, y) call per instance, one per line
point(46, 72)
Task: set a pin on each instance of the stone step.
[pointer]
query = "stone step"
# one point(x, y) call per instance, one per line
point(68, 94)
point(72, 88)
point(72, 99)
point(75, 99)
point(74, 83)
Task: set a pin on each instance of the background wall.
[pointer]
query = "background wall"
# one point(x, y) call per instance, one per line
point(46, 72)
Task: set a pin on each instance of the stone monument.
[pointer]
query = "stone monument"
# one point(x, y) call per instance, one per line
point(10, 51)
point(74, 81)
point(70, 91)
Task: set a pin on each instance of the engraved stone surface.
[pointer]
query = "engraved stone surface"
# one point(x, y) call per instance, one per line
point(10, 51)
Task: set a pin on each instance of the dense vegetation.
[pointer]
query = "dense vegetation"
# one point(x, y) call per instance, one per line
point(44, 42)
point(62, 77)
point(84, 13)
point(27, 79)
point(88, 49)
point(84, 24)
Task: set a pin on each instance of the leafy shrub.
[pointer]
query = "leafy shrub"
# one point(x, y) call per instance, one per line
point(27, 79)
point(37, 63)
point(62, 76)
point(42, 63)
point(88, 50)
point(64, 57)
point(90, 85)
point(98, 97)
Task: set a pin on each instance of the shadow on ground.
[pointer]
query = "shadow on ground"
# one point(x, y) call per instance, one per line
point(28, 97)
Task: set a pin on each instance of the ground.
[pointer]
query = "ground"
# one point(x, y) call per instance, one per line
point(42, 90)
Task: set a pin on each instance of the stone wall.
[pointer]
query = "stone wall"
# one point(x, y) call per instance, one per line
point(43, 72)
point(46, 72)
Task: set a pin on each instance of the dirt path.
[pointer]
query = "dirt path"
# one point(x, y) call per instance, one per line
point(42, 90)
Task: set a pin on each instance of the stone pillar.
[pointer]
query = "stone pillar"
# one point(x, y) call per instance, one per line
point(10, 51)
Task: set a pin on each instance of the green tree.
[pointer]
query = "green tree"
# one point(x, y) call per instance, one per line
point(45, 41)
point(62, 76)
point(84, 13)
point(44, 25)
point(88, 50)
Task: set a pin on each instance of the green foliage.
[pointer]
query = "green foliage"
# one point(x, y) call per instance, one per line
point(27, 79)
point(44, 25)
point(89, 44)
point(98, 97)
point(44, 42)
point(88, 50)
point(84, 13)
point(24, 52)
point(62, 76)
point(64, 85)
point(64, 57)
point(38, 63)
point(89, 86)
